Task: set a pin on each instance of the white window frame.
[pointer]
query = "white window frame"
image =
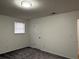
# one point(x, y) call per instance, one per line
point(16, 28)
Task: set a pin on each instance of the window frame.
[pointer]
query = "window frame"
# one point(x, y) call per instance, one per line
point(24, 27)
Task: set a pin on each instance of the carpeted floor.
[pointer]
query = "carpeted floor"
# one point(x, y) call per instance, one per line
point(29, 53)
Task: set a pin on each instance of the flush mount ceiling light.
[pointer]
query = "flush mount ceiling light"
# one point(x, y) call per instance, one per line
point(26, 4)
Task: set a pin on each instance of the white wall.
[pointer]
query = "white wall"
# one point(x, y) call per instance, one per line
point(58, 34)
point(8, 40)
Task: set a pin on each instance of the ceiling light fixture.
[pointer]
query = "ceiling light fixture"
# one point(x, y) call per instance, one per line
point(26, 4)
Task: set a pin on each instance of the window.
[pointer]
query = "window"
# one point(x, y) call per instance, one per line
point(19, 27)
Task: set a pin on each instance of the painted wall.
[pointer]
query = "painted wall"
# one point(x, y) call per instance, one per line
point(8, 40)
point(56, 34)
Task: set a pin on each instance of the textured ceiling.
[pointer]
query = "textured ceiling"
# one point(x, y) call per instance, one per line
point(46, 7)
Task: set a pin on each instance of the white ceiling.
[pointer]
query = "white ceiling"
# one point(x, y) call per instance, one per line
point(45, 7)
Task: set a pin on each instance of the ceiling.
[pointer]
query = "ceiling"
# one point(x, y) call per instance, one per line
point(44, 8)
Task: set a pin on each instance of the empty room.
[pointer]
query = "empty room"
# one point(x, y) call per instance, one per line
point(39, 29)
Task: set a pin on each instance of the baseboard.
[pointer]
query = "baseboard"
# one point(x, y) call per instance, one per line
point(15, 50)
point(50, 53)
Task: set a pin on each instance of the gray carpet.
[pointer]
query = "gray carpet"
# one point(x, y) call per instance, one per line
point(29, 53)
